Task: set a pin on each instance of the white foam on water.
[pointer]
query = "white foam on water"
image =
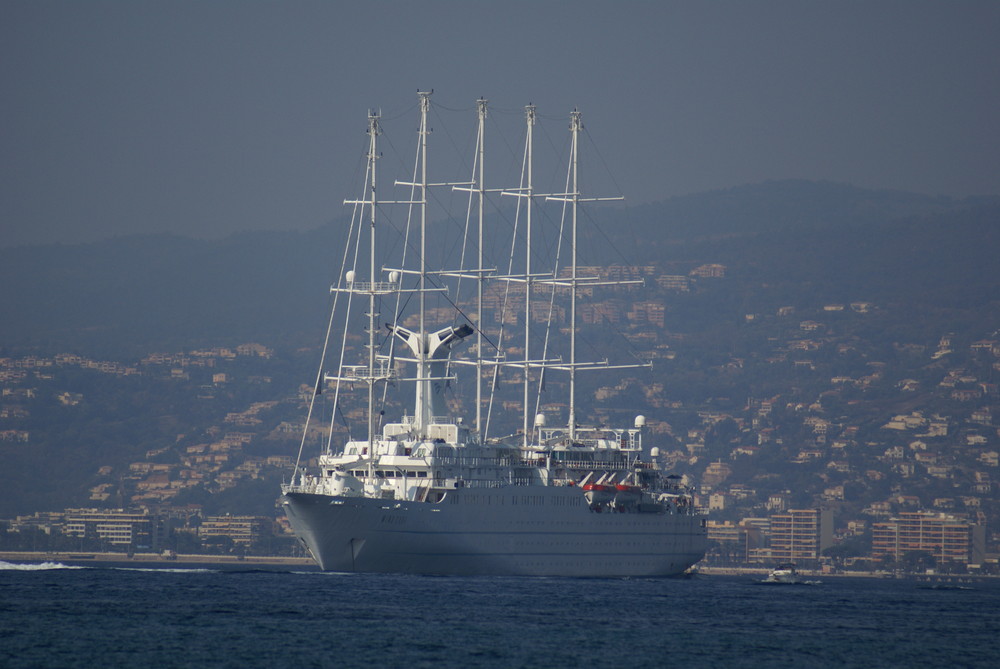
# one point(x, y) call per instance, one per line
point(170, 570)
point(35, 566)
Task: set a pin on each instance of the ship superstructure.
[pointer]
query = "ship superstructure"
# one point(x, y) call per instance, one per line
point(434, 494)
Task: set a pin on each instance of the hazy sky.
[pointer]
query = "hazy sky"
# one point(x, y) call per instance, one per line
point(205, 118)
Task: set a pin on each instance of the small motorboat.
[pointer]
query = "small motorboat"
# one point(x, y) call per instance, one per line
point(785, 574)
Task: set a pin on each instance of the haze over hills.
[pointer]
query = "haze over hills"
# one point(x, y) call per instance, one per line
point(143, 292)
point(159, 290)
point(831, 297)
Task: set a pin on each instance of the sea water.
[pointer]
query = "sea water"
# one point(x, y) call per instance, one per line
point(53, 615)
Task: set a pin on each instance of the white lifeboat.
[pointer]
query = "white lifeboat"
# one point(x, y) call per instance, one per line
point(627, 495)
point(598, 493)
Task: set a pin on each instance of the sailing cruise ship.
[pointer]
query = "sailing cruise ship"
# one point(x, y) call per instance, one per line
point(432, 493)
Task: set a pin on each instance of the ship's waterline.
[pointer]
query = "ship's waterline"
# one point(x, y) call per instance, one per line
point(523, 531)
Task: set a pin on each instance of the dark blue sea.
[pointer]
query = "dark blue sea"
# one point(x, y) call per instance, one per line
point(119, 616)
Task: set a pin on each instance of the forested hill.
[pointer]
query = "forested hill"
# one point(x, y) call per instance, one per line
point(832, 241)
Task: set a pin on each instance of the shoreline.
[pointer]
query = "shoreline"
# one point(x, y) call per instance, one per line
point(764, 571)
point(819, 573)
point(160, 560)
point(154, 558)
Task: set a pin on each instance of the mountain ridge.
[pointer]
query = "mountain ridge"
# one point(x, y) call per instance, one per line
point(146, 291)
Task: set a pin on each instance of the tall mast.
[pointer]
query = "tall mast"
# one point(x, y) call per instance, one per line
point(430, 349)
point(481, 187)
point(575, 125)
point(574, 199)
point(373, 131)
point(374, 370)
point(529, 113)
point(423, 372)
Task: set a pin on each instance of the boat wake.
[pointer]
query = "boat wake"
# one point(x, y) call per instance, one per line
point(52, 566)
point(165, 570)
point(36, 566)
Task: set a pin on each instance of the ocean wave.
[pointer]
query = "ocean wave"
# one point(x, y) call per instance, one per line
point(35, 566)
point(328, 573)
point(168, 570)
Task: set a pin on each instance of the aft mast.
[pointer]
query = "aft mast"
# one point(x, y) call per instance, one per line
point(574, 127)
point(481, 187)
point(573, 197)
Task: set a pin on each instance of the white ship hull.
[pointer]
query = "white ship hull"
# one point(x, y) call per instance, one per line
point(515, 530)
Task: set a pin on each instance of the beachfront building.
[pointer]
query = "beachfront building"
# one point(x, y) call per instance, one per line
point(115, 527)
point(801, 534)
point(946, 537)
point(243, 530)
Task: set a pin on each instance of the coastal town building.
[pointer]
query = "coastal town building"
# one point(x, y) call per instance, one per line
point(946, 537)
point(242, 530)
point(115, 527)
point(801, 534)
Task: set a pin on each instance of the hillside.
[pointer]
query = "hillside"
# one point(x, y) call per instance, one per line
point(788, 322)
point(146, 292)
